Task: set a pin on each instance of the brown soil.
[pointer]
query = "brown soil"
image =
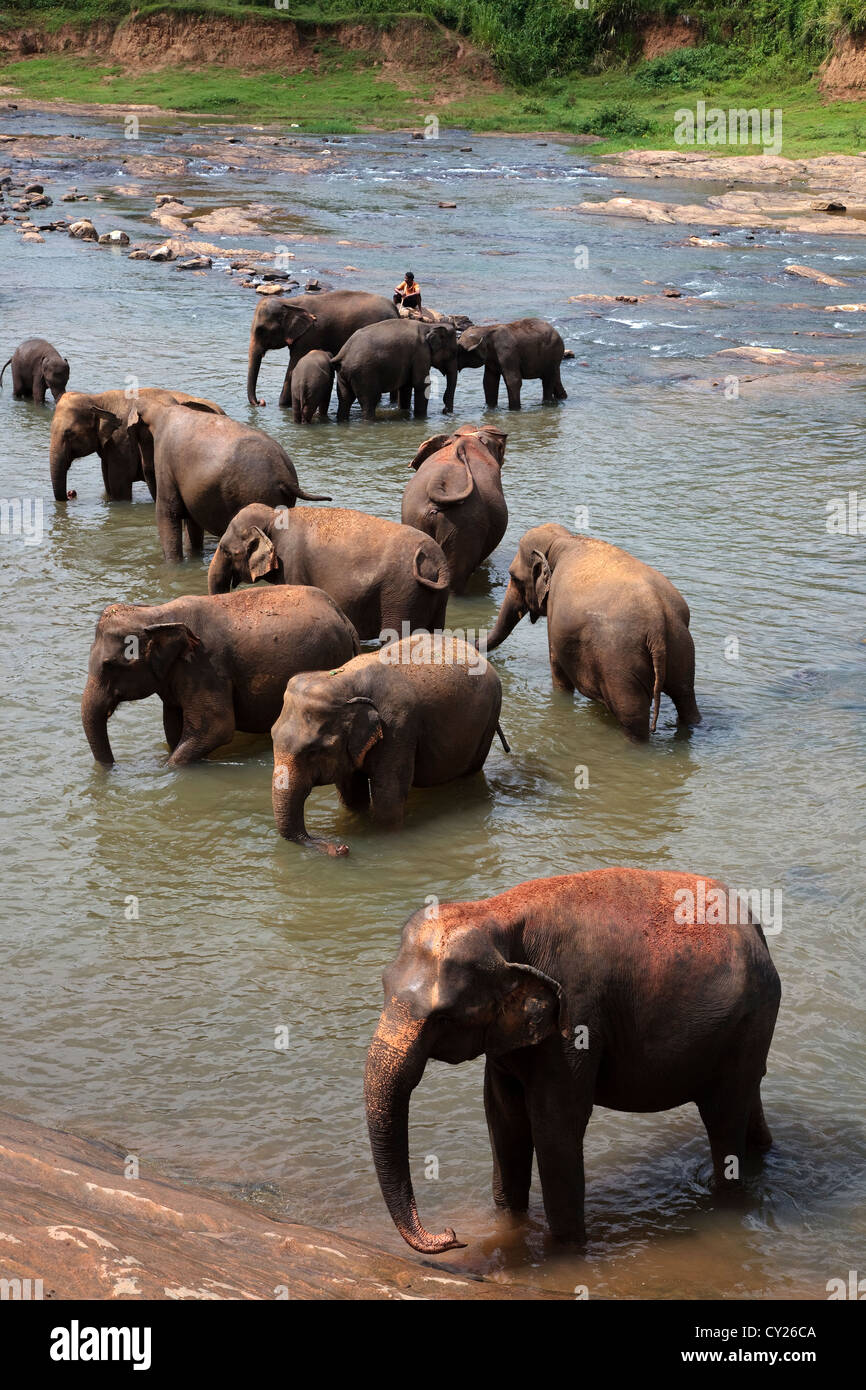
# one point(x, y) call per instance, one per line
point(147, 43)
point(663, 36)
point(843, 76)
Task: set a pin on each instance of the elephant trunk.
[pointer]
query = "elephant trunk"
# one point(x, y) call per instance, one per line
point(512, 610)
point(96, 708)
point(450, 386)
point(255, 362)
point(220, 575)
point(59, 461)
point(291, 786)
point(395, 1065)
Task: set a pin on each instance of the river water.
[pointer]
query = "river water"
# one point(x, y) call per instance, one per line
point(159, 1033)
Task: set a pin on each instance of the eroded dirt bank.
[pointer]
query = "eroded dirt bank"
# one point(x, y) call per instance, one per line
point(71, 1218)
point(147, 43)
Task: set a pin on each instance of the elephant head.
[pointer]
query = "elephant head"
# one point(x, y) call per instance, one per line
point(323, 735)
point(492, 439)
point(442, 342)
point(55, 373)
point(451, 994)
point(474, 346)
point(529, 581)
point(129, 660)
point(246, 550)
point(79, 428)
point(277, 323)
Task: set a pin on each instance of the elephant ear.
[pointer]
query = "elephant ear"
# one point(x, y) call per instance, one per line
point(106, 423)
point(165, 643)
point(261, 556)
point(540, 578)
point(528, 1010)
point(494, 441)
point(430, 446)
point(365, 728)
point(473, 338)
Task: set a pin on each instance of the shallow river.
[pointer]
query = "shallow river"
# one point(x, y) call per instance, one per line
point(158, 1033)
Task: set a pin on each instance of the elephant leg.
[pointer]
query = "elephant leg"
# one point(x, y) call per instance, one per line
point(117, 480)
point(396, 396)
point(194, 536)
point(169, 523)
point(354, 792)
point(404, 396)
point(559, 1112)
point(491, 386)
point(19, 385)
point(513, 384)
point(548, 388)
point(686, 706)
point(758, 1136)
point(40, 386)
point(389, 789)
point(560, 677)
point(725, 1111)
point(510, 1138)
point(172, 723)
point(296, 415)
point(420, 389)
point(286, 393)
point(368, 406)
point(559, 390)
point(345, 397)
point(208, 730)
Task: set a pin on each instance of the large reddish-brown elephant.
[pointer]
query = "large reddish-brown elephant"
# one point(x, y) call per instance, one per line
point(606, 988)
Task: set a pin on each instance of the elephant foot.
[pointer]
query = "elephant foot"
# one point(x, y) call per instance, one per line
point(334, 849)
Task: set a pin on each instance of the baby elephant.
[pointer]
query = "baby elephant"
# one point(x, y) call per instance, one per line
point(219, 665)
point(456, 496)
point(617, 630)
point(312, 381)
point(418, 712)
point(381, 574)
point(604, 988)
point(37, 367)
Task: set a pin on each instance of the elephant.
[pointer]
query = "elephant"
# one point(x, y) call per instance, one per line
point(312, 380)
point(617, 630)
point(581, 990)
point(206, 468)
point(37, 367)
point(219, 664)
point(325, 320)
point(456, 496)
point(417, 712)
point(519, 351)
point(383, 575)
point(395, 357)
point(84, 423)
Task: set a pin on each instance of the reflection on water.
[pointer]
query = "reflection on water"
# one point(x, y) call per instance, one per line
point(158, 1033)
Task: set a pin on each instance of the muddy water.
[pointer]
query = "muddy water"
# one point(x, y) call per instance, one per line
point(158, 1033)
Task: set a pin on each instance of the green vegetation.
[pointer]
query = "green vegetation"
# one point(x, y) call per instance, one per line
point(561, 68)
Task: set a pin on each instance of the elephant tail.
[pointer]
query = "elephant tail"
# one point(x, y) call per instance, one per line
point(5, 365)
point(657, 651)
point(502, 739)
point(442, 579)
point(309, 496)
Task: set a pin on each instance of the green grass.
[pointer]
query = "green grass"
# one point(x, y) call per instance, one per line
point(772, 64)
